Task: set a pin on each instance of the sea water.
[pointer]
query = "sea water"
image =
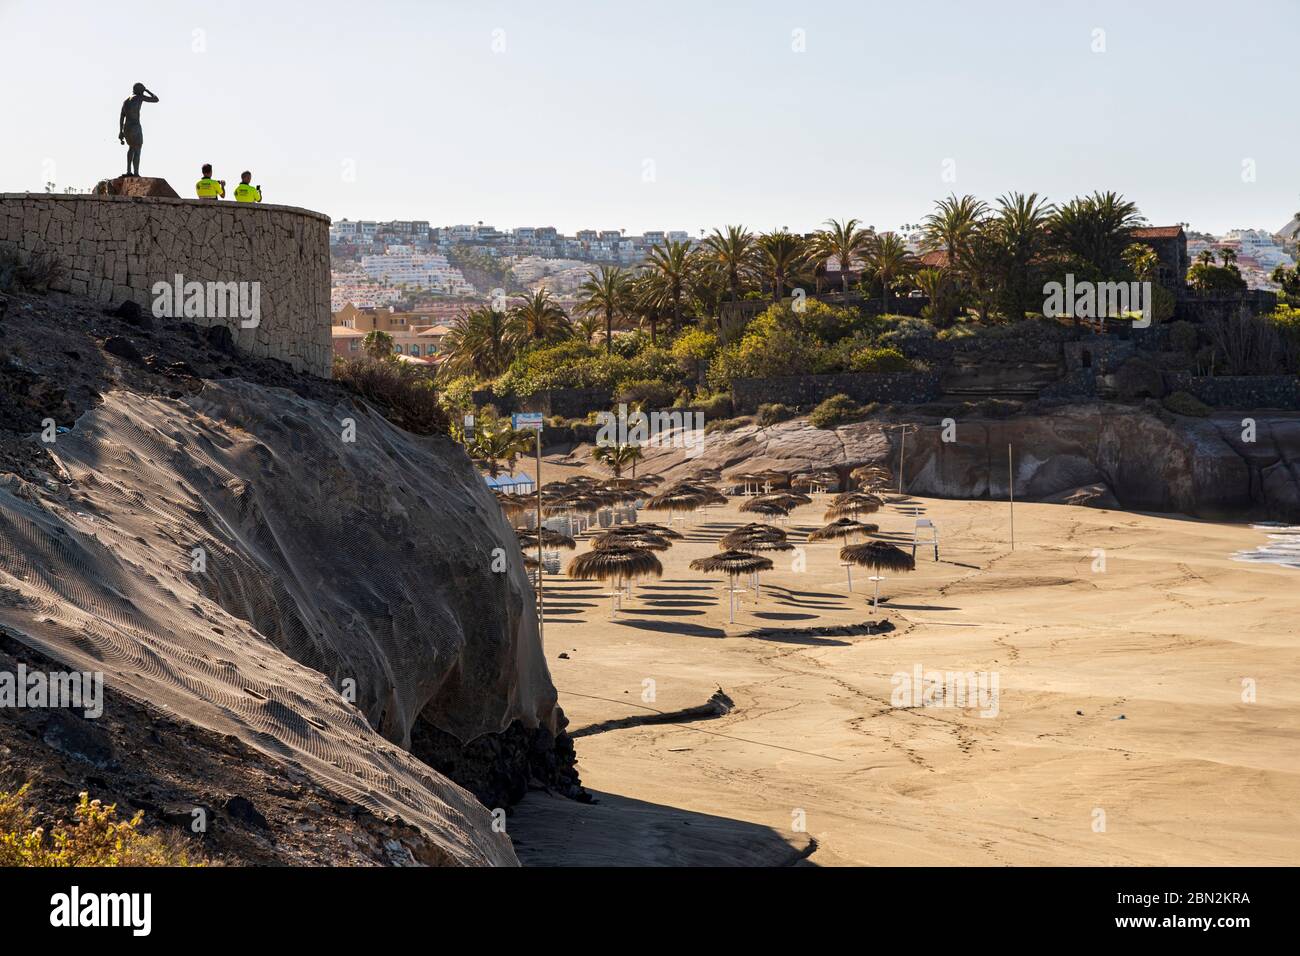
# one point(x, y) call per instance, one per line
point(1284, 546)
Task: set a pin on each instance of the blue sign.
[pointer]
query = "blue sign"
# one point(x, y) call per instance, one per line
point(533, 420)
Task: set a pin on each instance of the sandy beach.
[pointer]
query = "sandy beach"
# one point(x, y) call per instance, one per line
point(1125, 649)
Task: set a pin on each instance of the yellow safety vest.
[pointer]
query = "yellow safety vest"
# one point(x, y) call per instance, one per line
point(209, 188)
point(246, 193)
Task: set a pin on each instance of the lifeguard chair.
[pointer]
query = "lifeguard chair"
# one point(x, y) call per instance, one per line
point(925, 526)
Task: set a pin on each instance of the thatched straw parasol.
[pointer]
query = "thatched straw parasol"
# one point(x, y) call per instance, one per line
point(647, 539)
point(763, 533)
point(770, 509)
point(642, 527)
point(620, 494)
point(514, 506)
point(817, 481)
point(617, 565)
point(790, 498)
point(747, 480)
point(734, 563)
point(674, 501)
point(550, 539)
point(843, 528)
point(572, 504)
point(879, 556)
point(710, 495)
point(622, 484)
point(756, 537)
point(853, 503)
point(871, 476)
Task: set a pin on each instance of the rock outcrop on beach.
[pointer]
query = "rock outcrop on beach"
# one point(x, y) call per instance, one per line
point(264, 558)
point(1106, 455)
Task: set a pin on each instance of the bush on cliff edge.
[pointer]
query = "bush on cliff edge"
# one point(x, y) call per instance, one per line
point(403, 393)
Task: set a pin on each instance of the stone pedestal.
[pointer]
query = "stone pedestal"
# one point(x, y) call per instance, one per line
point(135, 186)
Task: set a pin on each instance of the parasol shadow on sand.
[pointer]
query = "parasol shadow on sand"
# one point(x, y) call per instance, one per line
point(734, 564)
point(878, 556)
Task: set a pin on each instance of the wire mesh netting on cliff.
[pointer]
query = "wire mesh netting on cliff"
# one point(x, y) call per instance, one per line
point(213, 555)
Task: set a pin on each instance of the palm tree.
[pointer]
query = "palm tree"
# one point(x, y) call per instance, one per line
point(706, 290)
point(618, 457)
point(481, 342)
point(645, 301)
point(585, 327)
point(843, 241)
point(1228, 256)
point(605, 292)
point(1093, 232)
point(937, 287)
point(888, 260)
point(1142, 261)
point(1022, 222)
point(670, 265)
point(782, 255)
point(377, 345)
point(539, 319)
point(496, 442)
point(950, 226)
point(981, 263)
point(732, 254)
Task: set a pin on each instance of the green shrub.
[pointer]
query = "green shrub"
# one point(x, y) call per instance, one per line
point(1185, 403)
point(715, 406)
point(961, 330)
point(880, 360)
point(457, 394)
point(905, 331)
point(97, 838)
point(575, 364)
point(771, 346)
point(824, 323)
point(771, 413)
point(647, 393)
point(835, 411)
point(403, 393)
point(693, 349)
point(726, 425)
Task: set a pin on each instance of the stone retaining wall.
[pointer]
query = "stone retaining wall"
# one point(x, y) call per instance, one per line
point(115, 248)
point(1240, 391)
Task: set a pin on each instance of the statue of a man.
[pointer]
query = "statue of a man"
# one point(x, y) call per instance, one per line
point(128, 127)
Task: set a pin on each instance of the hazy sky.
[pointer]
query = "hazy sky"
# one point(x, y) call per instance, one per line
point(670, 114)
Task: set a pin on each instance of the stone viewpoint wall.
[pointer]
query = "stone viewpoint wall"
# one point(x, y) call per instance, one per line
point(115, 248)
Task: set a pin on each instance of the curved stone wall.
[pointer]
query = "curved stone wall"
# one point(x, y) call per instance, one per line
point(269, 260)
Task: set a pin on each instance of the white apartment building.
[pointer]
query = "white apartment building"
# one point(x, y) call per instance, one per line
point(418, 271)
point(1260, 245)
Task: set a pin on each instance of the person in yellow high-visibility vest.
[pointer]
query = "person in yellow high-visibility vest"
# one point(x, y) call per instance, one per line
point(245, 191)
point(209, 188)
